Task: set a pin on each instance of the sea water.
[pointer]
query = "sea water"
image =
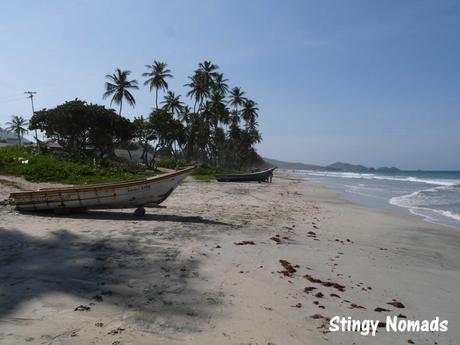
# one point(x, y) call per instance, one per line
point(433, 195)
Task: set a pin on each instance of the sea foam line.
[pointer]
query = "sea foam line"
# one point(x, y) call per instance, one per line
point(438, 182)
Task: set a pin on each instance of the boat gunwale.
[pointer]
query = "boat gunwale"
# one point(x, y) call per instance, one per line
point(257, 173)
point(103, 186)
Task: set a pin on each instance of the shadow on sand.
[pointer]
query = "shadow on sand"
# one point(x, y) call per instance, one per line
point(145, 277)
point(120, 215)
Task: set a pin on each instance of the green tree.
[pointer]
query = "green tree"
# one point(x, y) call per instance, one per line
point(118, 87)
point(76, 125)
point(107, 130)
point(144, 134)
point(17, 125)
point(172, 103)
point(236, 98)
point(218, 109)
point(157, 74)
point(249, 112)
point(185, 114)
point(199, 88)
point(209, 69)
point(220, 84)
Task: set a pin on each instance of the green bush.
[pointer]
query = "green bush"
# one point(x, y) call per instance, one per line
point(16, 160)
point(171, 163)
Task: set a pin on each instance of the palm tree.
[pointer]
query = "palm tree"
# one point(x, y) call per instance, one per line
point(209, 69)
point(185, 114)
point(199, 87)
point(17, 125)
point(254, 135)
point(172, 103)
point(118, 87)
point(157, 73)
point(218, 108)
point(236, 97)
point(249, 111)
point(220, 84)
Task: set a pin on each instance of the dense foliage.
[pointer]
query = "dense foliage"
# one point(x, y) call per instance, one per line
point(76, 125)
point(218, 129)
point(17, 160)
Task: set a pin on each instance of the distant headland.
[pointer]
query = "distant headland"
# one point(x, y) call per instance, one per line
point(338, 166)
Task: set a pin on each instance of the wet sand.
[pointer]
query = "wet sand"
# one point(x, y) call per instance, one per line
point(224, 263)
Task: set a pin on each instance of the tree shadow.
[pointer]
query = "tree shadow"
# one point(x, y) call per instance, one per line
point(148, 278)
point(123, 216)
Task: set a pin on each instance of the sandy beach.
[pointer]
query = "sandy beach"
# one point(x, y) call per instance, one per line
point(224, 263)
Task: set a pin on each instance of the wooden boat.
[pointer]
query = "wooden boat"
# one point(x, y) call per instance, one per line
point(259, 176)
point(138, 193)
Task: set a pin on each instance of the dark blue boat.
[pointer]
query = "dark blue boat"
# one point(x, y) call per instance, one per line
point(258, 176)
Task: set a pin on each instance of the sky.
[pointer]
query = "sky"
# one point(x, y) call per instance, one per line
point(369, 82)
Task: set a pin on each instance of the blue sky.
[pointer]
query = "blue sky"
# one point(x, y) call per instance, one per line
point(370, 82)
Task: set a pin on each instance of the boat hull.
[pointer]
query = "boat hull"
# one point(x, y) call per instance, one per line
point(259, 176)
point(150, 191)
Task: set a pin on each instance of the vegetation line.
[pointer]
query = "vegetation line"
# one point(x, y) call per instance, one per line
point(217, 130)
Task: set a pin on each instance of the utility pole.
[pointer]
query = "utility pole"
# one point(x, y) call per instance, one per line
point(31, 96)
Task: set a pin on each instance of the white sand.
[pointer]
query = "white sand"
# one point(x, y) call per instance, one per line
point(162, 280)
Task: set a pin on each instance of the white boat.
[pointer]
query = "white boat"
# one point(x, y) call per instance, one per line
point(138, 193)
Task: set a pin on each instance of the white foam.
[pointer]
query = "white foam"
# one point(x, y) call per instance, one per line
point(426, 203)
point(448, 214)
point(435, 182)
point(407, 201)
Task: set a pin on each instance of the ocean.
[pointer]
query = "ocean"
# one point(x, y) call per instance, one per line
point(433, 195)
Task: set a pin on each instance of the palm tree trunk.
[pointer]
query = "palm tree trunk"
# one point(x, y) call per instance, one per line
point(156, 98)
point(121, 105)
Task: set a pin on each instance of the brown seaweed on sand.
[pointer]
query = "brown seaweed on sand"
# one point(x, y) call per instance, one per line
point(356, 306)
point(243, 243)
point(311, 279)
point(308, 289)
point(396, 304)
point(298, 305)
point(325, 325)
point(288, 268)
point(335, 285)
point(378, 309)
point(319, 295)
point(317, 316)
point(276, 239)
point(334, 295)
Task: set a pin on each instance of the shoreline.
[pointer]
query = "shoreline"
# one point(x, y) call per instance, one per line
point(185, 274)
point(362, 194)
